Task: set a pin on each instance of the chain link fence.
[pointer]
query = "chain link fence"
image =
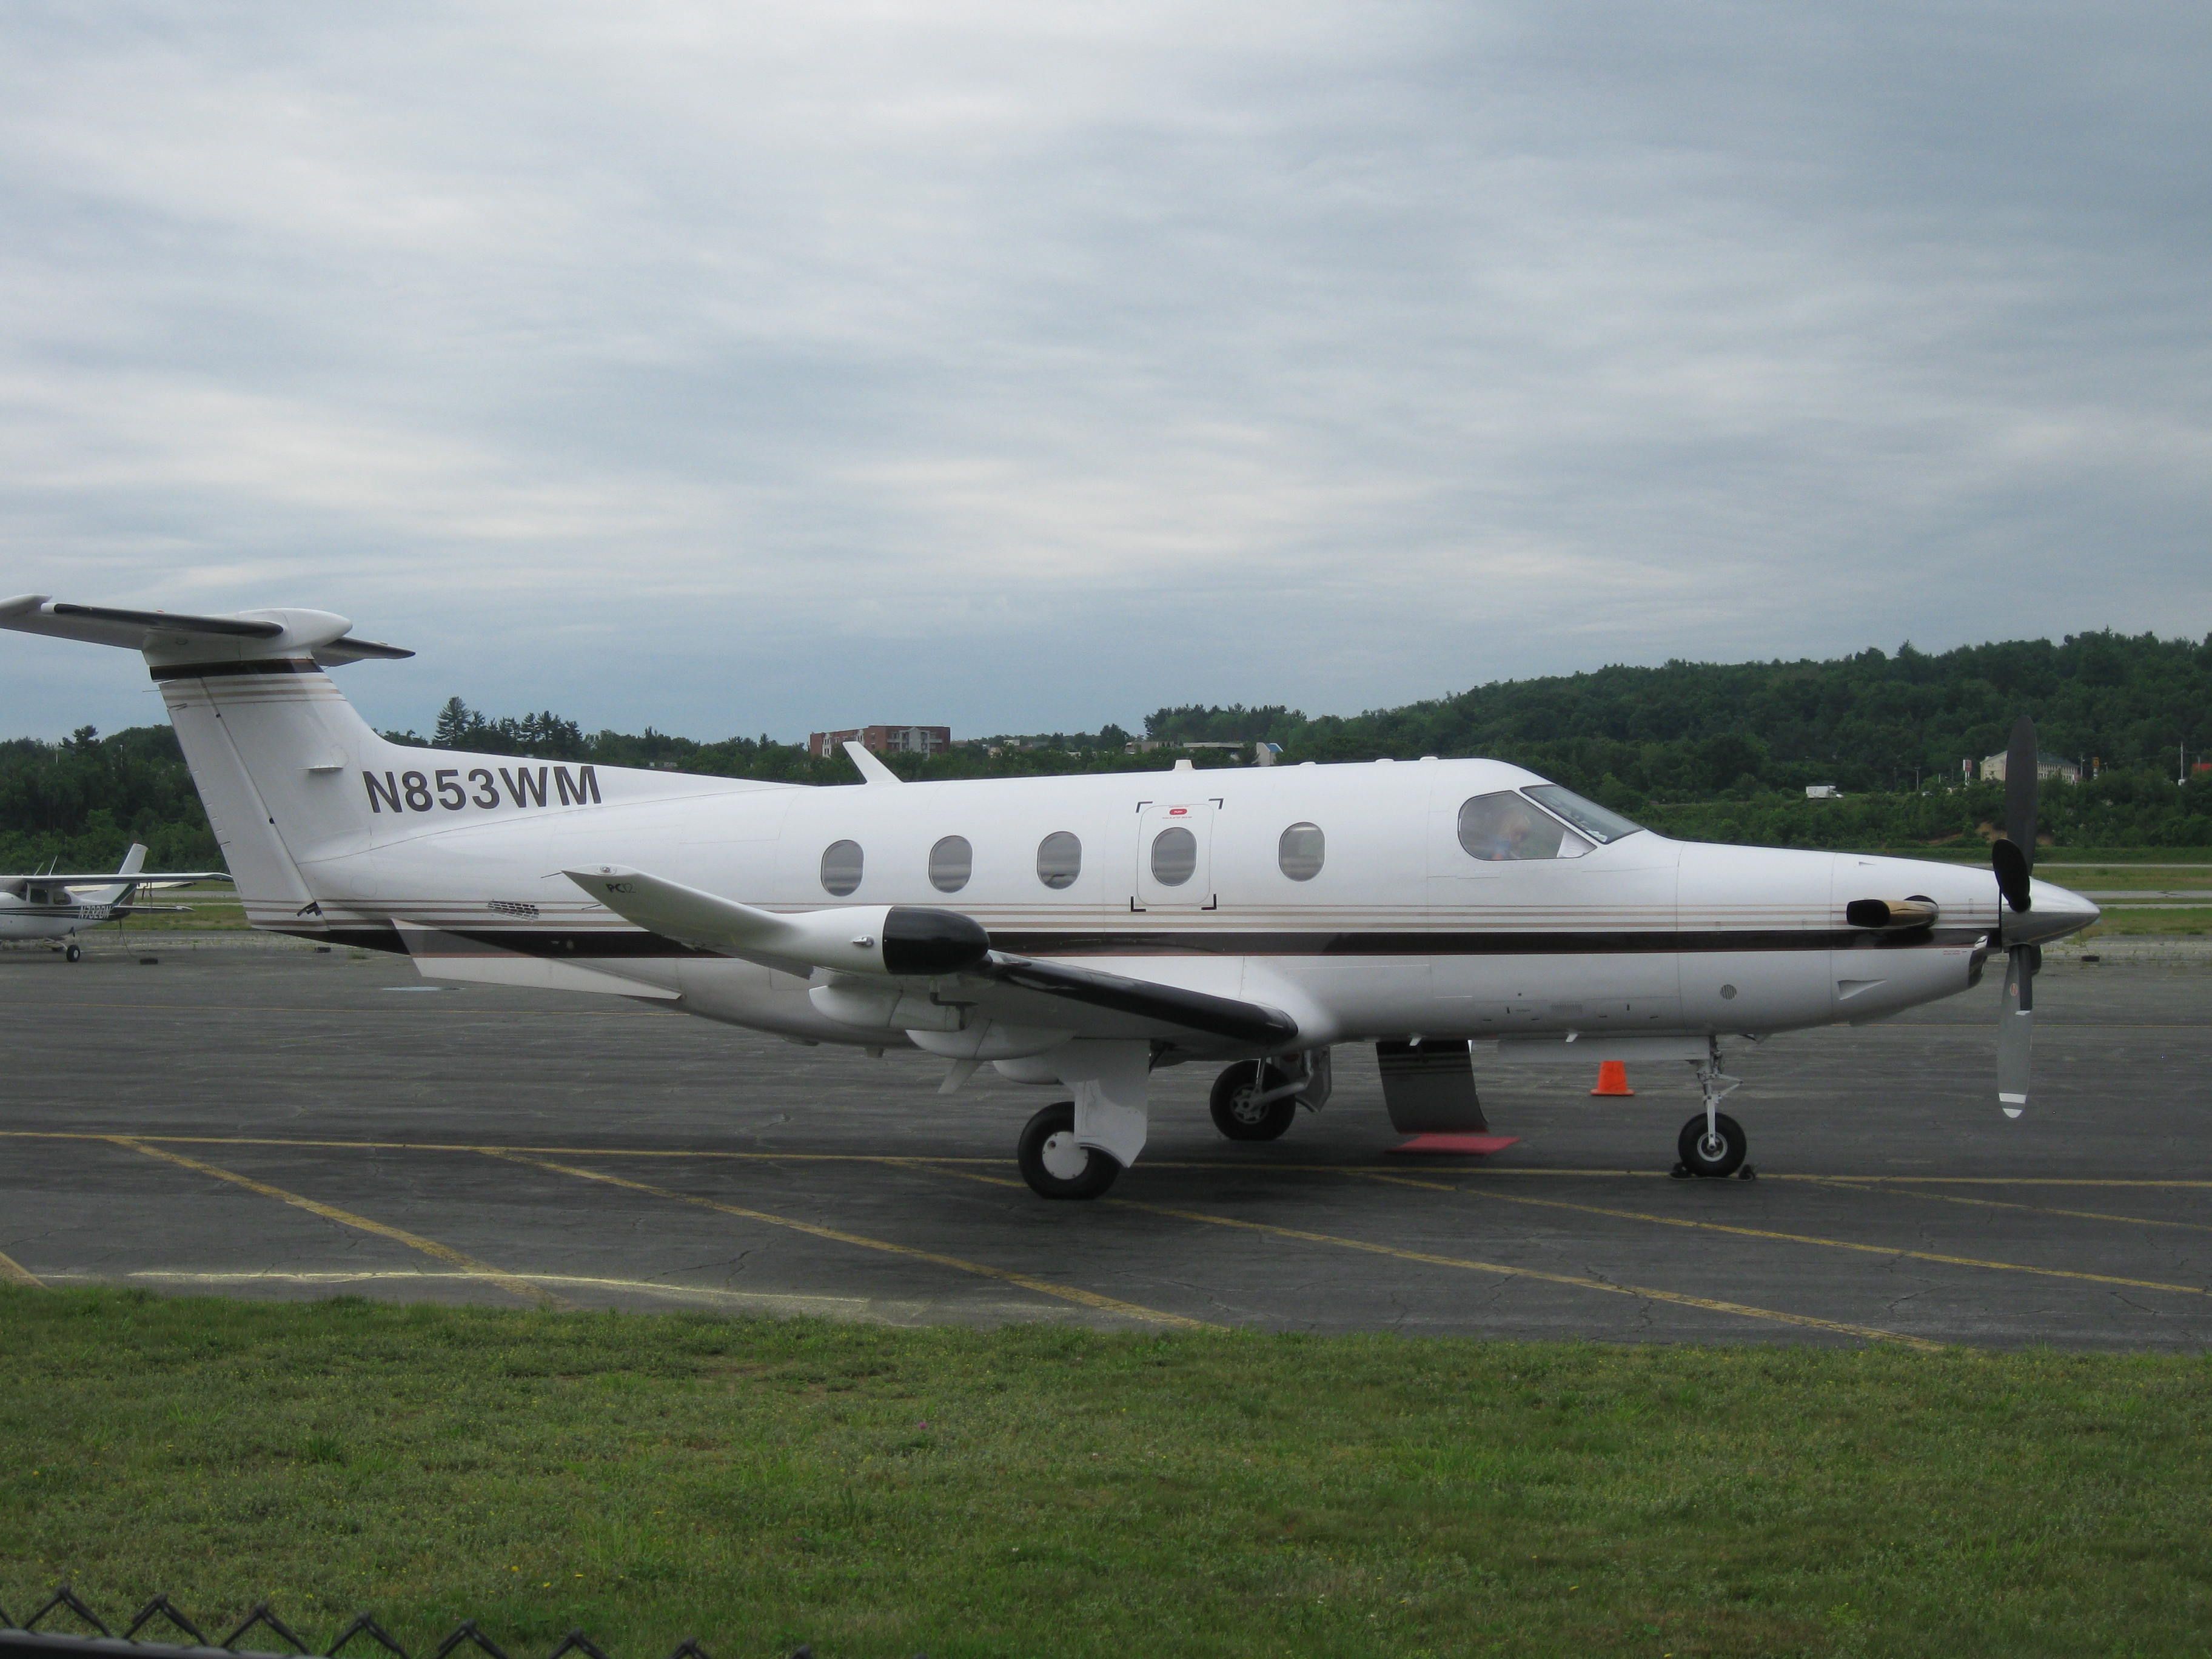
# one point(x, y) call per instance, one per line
point(172, 1635)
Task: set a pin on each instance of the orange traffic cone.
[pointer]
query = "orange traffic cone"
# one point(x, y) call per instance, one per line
point(1612, 1079)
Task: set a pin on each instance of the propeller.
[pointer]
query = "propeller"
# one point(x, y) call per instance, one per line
point(2012, 858)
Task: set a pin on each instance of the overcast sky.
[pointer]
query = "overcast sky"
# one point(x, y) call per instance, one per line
point(737, 368)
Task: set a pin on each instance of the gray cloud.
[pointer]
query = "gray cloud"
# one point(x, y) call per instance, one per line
point(1031, 365)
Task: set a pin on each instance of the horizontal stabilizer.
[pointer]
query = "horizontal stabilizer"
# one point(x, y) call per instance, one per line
point(320, 634)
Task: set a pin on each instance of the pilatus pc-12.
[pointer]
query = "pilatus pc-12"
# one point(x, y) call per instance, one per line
point(1078, 933)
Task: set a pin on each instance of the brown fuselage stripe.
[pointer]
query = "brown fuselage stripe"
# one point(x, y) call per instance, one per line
point(581, 943)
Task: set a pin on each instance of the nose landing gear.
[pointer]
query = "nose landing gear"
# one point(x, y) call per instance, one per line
point(1713, 1143)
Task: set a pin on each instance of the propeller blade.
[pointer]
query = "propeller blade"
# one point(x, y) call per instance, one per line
point(2013, 879)
point(2016, 1028)
point(2020, 791)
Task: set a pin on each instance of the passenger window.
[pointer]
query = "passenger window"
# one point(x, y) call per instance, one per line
point(1301, 851)
point(1175, 856)
point(841, 867)
point(951, 861)
point(1059, 859)
point(1504, 826)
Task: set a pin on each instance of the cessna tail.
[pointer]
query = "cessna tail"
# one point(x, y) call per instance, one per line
point(1078, 932)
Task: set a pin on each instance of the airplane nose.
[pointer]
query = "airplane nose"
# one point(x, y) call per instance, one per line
point(2053, 913)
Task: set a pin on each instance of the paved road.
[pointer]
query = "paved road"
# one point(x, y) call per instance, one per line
point(288, 1124)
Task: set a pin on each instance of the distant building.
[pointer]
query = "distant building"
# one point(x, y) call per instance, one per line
point(1822, 792)
point(882, 740)
point(1263, 754)
point(1993, 769)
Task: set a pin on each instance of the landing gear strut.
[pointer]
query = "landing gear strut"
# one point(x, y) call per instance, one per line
point(1254, 1101)
point(1713, 1144)
point(1055, 1166)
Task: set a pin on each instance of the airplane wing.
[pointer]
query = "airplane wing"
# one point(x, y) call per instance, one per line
point(919, 947)
point(16, 884)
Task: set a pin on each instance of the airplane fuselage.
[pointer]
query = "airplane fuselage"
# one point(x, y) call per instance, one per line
point(55, 915)
point(1374, 918)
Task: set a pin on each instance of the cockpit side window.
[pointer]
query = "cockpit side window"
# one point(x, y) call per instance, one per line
point(1600, 823)
point(1503, 827)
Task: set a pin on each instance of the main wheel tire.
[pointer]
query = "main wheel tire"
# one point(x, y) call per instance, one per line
point(1236, 1113)
point(1704, 1156)
point(1053, 1165)
point(73, 953)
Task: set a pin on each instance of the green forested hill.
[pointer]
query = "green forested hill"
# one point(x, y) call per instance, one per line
point(1867, 722)
point(1720, 751)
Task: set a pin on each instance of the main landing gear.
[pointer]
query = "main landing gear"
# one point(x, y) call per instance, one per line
point(1713, 1143)
point(1254, 1101)
point(1055, 1166)
point(72, 951)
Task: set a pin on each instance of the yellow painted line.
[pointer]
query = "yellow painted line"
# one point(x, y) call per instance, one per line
point(1027, 1281)
point(513, 1283)
point(1233, 1166)
point(833, 1307)
point(1870, 1333)
point(2002, 1204)
point(475, 1146)
point(13, 1271)
point(1807, 1238)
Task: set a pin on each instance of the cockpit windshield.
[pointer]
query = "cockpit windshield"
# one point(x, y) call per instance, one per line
point(1599, 823)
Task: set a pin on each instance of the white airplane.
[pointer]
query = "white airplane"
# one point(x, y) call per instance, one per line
point(1079, 932)
point(51, 905)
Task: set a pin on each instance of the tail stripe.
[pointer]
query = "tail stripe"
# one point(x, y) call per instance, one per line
point(215, 670)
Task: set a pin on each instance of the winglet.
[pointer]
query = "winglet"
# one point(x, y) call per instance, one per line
point(873, 770)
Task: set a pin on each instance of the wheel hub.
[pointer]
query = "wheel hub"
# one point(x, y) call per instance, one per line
point(1063, 1158)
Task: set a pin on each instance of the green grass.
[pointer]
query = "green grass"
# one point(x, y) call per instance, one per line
point(1043, 1490)
point(2121, 922)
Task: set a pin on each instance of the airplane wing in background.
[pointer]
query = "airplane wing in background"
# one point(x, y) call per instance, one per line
point(17, 885)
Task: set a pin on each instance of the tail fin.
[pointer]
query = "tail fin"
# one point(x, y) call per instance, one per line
point(307, 803)
point(133, 862)
point(267, 736)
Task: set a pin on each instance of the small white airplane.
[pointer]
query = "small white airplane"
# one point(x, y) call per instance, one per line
point(1080, 932)
point(48, 904)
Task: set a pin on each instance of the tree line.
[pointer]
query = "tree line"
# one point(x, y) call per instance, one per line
point(1710, 750)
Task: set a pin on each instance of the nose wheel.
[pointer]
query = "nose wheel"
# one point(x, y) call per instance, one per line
point(1715, 1149)
point(1713, 1143)
point(1052, 1162)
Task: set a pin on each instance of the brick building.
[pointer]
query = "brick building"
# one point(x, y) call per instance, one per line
point(883, 740)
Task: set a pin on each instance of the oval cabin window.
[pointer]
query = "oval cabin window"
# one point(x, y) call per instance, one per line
point(951, 861)
point(1059, 859)
point(1301, 851)
point(1175, 856)
point(841, 867)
